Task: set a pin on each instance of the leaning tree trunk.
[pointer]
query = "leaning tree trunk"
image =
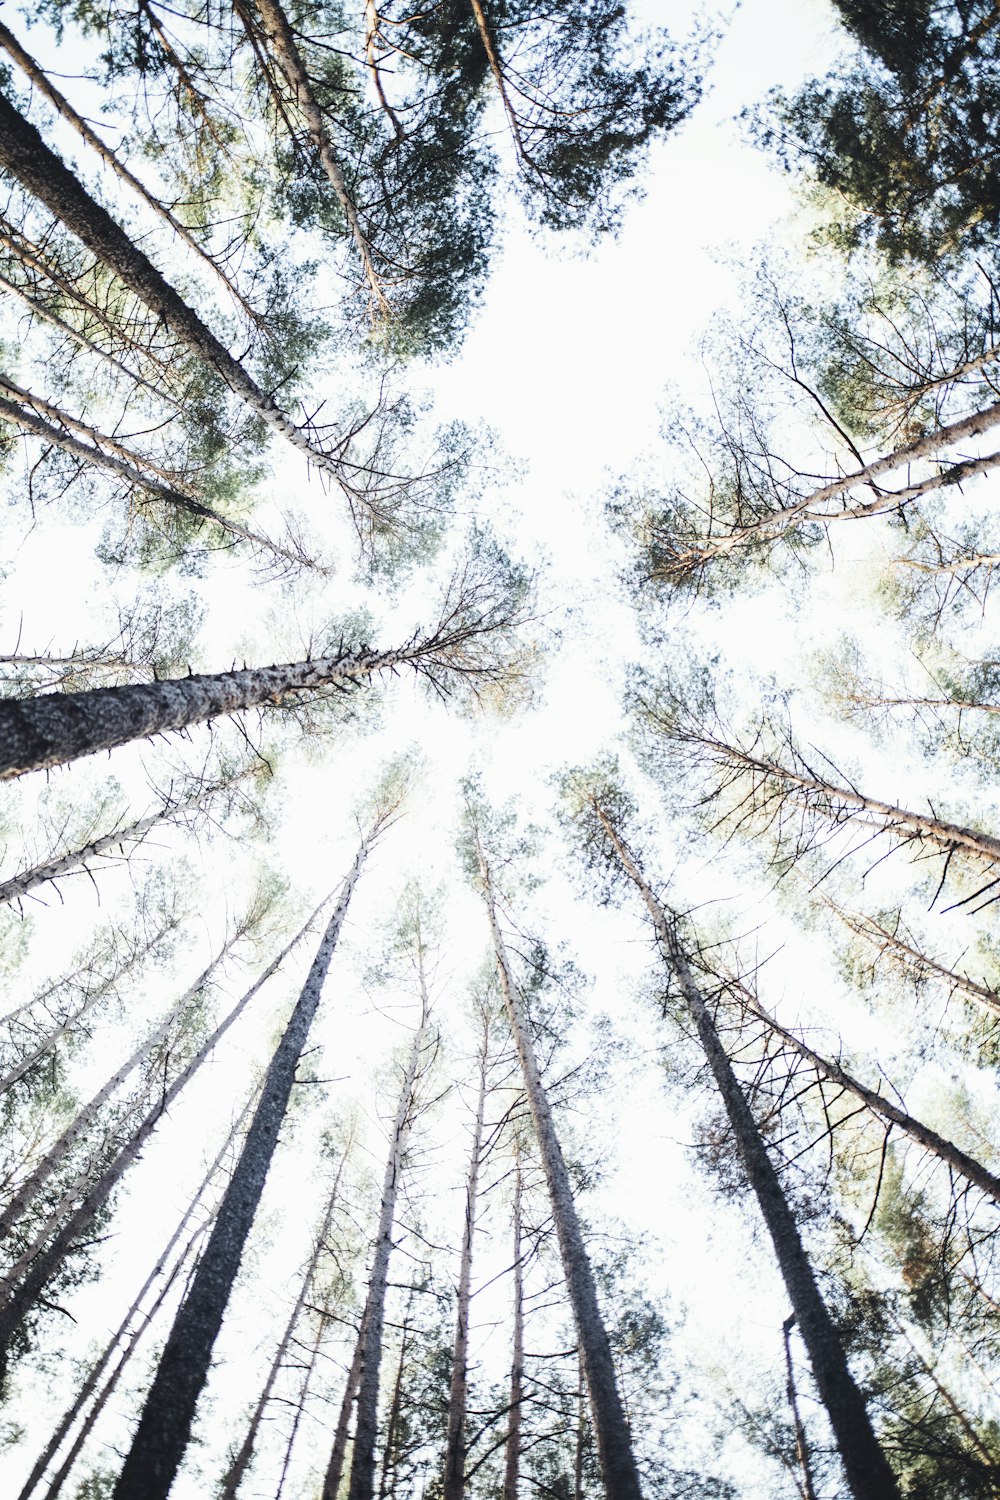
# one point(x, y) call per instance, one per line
point(614, 1443)
point(164, 1428)
point(240, 1464)
point(335, 1468)
point(868, 1473)
point(45, 1259)
point(953, 1156)
point(25, 155)
point(362, 1482)
point(454, 1461)
point(515, 1413)
point(96, 1371)
point(57, 727)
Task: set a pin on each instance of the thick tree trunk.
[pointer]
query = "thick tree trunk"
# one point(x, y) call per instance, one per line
point(515, 1414)
point(956, 1159)
point(130, 467)
point(164, 1428)
point(57, 727)
point(454, 1460)
point(284, 48)
point(241, 1462)
point(96, 1371)
point(869, 1476)
point(614, 1443)
point(362, 1483)
point(25, 155)
point(45, 1259)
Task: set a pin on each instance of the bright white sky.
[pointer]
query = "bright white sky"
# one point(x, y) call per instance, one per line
point(568, 361)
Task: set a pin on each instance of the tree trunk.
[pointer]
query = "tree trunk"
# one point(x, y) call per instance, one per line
point(57, 727)
point(54, 1158)
point(801, 1446)
point(390, 1453)
point(39, 170)
point(281, 40)
point(44, 1260)
point(512, 1446)
point(241, 1462)
point(614, 1443)
point(868, 1473)
point(454, 1462)
point(362, 1483)
point(335, 1468)
point(165, 1425)
point(131, 467)
point(97, 1369)
point(957, 1160)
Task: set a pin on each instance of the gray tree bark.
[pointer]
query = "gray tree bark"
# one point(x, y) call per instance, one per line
point(515, 1414)
point(165, 1425)
point(614, 1443)
point(869, 1476)
point(338, 1452)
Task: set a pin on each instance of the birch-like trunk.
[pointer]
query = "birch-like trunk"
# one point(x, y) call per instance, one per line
point(45, 1258)
point(869, 1476)
point(164, 1428)
point(26, 156)
point(362, 1482)
point(454, 1462)
point(57, 727)
point(938, 1145)
point(97, 1370)
point(48, 90)
point(614, 1443)
point(115, 459)
point(515, 1413)
point(240, 1464)
point(284, 48)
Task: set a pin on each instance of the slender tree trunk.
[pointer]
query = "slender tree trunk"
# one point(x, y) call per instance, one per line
point(801, 1446)
point(454, 1462)
point(916, 962)
point(390, 1453)
point(98, 1368)
point(240, 1464)
point(57, 727)
point(56, 1156)
point(581, 1427)
point(868, 1473)
point(165, 1425)
point(362, 1483)
point(485, 36)
point(957, 1160)
point(284, 48)
point(132, 833)
point(515, 1415)
point(335, 1468)
point(300, 1405)
point(45, 1259)
point(132, 468)
point(26, 156)
point(614, 1443)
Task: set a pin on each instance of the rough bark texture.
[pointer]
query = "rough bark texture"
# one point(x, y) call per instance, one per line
point(869, 1476)
point(362, 1484)
point(614, 1444)
point(57, 727)
point(454, 1462)
point(47, 1259)
point(25, 155)
point(241, 1462)
point(953, 1156)
point(512, 1446)
point(165, 1425)
point(100, 1365)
